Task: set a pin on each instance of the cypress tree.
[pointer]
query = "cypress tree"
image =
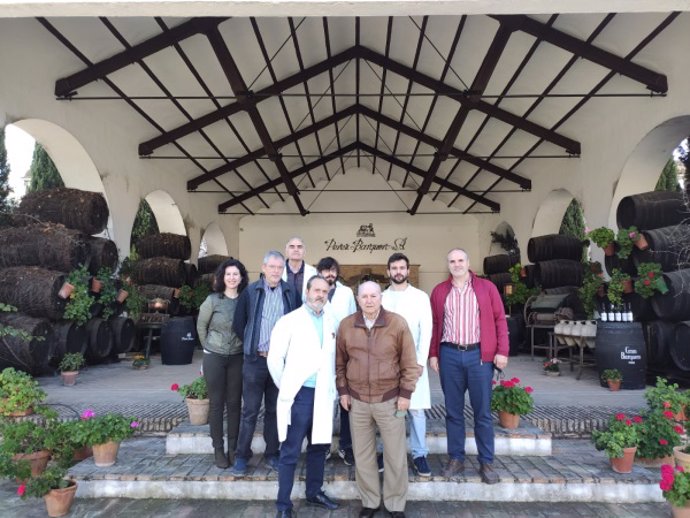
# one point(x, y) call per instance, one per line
point(44, 174)
point(668, 181)
point(144, 222)
point(5, 189)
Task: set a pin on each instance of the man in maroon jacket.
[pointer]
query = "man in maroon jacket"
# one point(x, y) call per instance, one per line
point(469, 336)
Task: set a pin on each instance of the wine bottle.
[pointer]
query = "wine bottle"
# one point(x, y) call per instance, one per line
point(617, 313)
point(603, 314)
point(610, 313)
point(629, 313)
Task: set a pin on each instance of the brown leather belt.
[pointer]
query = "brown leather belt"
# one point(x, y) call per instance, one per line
point(461, 347)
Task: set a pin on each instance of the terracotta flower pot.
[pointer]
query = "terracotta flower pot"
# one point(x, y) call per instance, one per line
point(641, 242)
point(59, 501)
point(655, 462)
point(508, 420)
point(82, 453)
point(680, 512)
point(682, 459)
point(37, 460)
point(105, 454)
point(553, 374)
point(624, 464)
point(610, 249)
point(69, 378)
point(122, 296)
point(627, 286)
point(680, 416)
point(96, 285)
point(66, 290)
point(614, 385)
point(21, 413)
point(198, 410)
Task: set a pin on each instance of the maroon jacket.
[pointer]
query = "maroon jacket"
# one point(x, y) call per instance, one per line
point(492, 319)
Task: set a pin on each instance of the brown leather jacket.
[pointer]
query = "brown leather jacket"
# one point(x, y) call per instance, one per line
point(378, 364)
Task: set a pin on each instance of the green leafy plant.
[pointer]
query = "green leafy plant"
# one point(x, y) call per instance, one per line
point(192, 298)
point(140, 361)
point(71, 362)
point(552, 365)
point(601, 236)
point(616, 288)
point(197, 389)
point(18, 391)
point(621, 433)
point(78, 308)
point(52, 478)
point(509, 396)
point(134, 303)
point(650, 280)
point(94, 429)
point(520, 292)
point(611, 375)
point(506, 241)
point(591, 284)
point(108, 293)
point(625, 239)
point(665, 396)
point(675, 485)
point(12, 331)
point(657, 434)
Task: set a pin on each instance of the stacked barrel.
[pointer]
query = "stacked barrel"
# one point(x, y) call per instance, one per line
point(496, 268)
point(664, 221)
point(53, 237)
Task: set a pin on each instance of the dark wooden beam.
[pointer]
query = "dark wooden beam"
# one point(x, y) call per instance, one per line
point(571, 146)
point(239, 88)
point(148, 147)
point(523, 182)
point(421, 173)
point(293, 176)
point(479, 84)
point(652, 80)
point(194, 183)
point(68, 85)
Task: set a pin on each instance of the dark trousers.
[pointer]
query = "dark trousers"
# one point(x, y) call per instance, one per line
point(463, 371)
point(301, 420)
point(345, 441)
point(257, 385)
point(224, 379)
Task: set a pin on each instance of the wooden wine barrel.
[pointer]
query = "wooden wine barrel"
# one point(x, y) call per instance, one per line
point(554, 246)
point(675, 304)
point(680, 346)
point(165, 244)
point(621, 345)
point(33, 291)
point(650, 210)
point(99, 340)
point(103, 254)
point(124, 333)
point(641, 308)
point(207, 278)
point(160, 270)
point(30, 356)
point(191, 274)
point(559, 272)
point(658, 336)
point(45, 245)
point(668, 246)
point(178, 341)
point(627, 265)
point(500, 280)
point(156, 291)
point(69, 338)
point(500, 263)
point(529, 278)
point(209, 263)
point(83, 210)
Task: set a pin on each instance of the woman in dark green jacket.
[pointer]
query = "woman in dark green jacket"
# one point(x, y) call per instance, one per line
point(223, 355)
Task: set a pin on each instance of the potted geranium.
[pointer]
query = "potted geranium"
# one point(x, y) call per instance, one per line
point(104, 434)
point(657, 435)
point(19, 393)
point(650, 280)
point(552, 367)
point(57, 491)
point(511, 401)
point(619, 441)
point(625, 239)
point(26, 445)
point(69, 367)
point(666, 396)
point(196, 398)
point(613, 378)
point(675, 486)
point(620, 283)
point(604, 238)
point(141, 362)
point(78, 308)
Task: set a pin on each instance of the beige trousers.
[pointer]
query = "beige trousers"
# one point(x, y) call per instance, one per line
point(364, 419)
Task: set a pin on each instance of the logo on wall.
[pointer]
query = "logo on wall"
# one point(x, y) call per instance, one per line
point(366, 231)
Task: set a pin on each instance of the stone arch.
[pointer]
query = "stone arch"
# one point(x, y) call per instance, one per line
point(213, 241)
point(550, 213)
point(644, 165)
point(167, 212)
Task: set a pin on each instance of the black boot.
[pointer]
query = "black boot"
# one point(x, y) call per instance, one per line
point(221, 459)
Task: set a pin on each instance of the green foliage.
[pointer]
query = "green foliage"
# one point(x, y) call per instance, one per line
point(144, 222)
point(675, 485)
point(625, 239)
point(18, 391)
point(552, 365)
point(44, 174)
point(611, 375)
point(71, 362)
point(13, 331)
point(108, 293)
point(509, 396)
point(615, 289)
point(573, 223)
point(665, 396)
point(587, 292)
point(92, 429)
point(668, 180)
point(134, 303)
point(197, 389)
point(650, 280)
point(520, 290)
point(506, 241)
point(601, 236)
point(140, 361)
point(192, 298)
point(52, 478)
point(657, 434)
point(5, 189)
point(78, 308)
point(621, 433)
point(23, 437)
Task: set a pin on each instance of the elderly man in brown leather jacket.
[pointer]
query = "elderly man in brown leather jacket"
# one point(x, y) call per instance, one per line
point(376, 373)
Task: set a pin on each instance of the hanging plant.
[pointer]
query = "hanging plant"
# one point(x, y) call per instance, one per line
point(520, 292)
point(625, 239)
point(590, 286)
point(617, 287)
point(78, 308)
point(108, 291)
point(650, 280)
point(602, 236)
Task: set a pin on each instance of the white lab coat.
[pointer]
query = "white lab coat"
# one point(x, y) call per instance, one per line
point(343, 302)
point(294, 355)
point(414, 306)
point(309, 272)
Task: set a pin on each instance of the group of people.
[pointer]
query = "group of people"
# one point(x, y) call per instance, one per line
point(296, 340)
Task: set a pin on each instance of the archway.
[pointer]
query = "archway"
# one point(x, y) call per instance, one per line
point(504, 233)
point(213, 241)
point(167, 213)
point(550, 214)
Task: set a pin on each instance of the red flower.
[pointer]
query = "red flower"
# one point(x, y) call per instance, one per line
point(666, 404)
point(669, 414)
point(637, 419)
point(628, 422)
point(620, 416)
point(663, 442)
point(678, 429)
point(493, 382)
point(666, 483)
point(681, 469)
point(646, 282)
point(515, 380)
point(21, 490)
point(507, 384)
point(650, 275)
point(175, 387)
point(529, 390)
point(666, 469)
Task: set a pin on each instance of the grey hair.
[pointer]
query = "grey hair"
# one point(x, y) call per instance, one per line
point(314, 278)
point(295, 237)
point(467, 256)
point(273, 254)
point(359, 288)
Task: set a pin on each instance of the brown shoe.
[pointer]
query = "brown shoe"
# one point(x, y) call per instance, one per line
point(489, 476)
point(453, 468)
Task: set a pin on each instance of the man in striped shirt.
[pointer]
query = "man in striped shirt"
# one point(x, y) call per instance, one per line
point(469, 337)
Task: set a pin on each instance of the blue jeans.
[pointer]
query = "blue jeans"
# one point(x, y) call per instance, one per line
point(258, 385)
point(301, 419)
point(418, 433)
point(462, 371)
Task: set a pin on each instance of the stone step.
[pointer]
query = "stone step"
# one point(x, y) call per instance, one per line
point(525, 440)
point(576, 473)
